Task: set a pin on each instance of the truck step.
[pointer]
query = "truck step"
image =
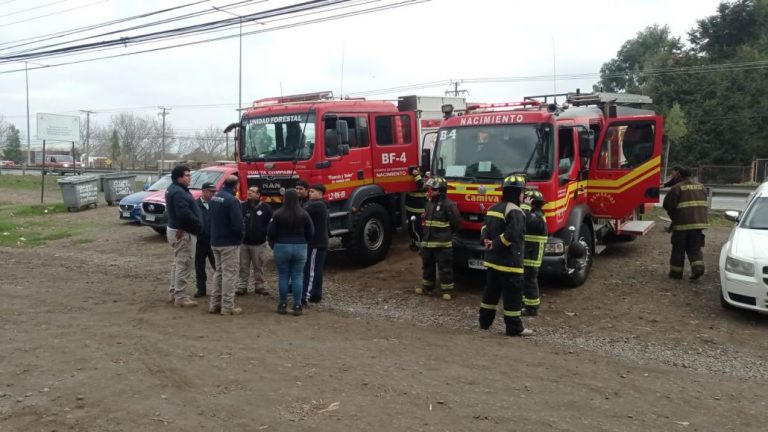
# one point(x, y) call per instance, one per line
point(637, 227)
point(338, 214)
point(338, 232)
point(599, 249)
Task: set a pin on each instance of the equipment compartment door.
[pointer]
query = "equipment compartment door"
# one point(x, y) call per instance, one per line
point(394, 150)
point(626, 165)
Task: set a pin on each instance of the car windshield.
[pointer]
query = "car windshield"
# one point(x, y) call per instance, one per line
point(200, 177)
point(161, 184)
point(63, 158)
point(284, 137)
point(493, 152)
point(756, 216)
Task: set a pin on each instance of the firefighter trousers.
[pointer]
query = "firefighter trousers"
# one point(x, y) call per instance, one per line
point(509, 287)
point(437, 260)
point(687, 242)
point(531, 288)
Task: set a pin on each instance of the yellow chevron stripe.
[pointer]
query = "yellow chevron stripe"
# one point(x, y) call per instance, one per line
point(625, 187)
point(654, 163)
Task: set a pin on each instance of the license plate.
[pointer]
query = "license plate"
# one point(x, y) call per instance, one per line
point(150, 217)
point(126, 214)
point(476, 264)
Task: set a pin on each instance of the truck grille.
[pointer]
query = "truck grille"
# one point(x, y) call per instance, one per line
point(271, 187)
point(153, 208)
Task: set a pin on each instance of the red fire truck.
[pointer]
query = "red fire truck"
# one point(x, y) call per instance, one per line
point(596, 160)
point(362, 151)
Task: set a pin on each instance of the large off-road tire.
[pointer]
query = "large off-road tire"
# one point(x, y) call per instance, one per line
point(370, 236)
point(579, 268)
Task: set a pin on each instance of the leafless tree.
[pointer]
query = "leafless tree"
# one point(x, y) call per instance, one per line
point(210, 143)
point(140, 139)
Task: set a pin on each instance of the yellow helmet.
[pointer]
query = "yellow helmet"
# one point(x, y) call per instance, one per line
point(535, 195)
point(437, 183)
point(514, 181)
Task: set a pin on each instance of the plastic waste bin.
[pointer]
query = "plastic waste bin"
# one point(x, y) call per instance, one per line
point(117, 186)
point(79, 192)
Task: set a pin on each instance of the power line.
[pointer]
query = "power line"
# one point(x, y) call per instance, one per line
point(302, 23)
point(33, 8)
point(54, 13)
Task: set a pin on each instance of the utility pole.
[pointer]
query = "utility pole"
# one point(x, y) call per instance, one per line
point(87, 137)
point(162, 142)
point(455, 92)
point(29, 145)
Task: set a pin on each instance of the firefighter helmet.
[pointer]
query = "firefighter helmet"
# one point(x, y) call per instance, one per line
point(535, 196)
point(437, 183)
point(514, 181)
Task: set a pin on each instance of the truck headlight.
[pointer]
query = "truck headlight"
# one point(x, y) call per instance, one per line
point(733, 265)
point(554, 248)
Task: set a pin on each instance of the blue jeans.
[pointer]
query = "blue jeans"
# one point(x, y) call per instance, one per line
point(290, 259)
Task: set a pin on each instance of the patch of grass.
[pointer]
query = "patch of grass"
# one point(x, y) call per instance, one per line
point(34, 225)
point(83, 240)
point(28, 182)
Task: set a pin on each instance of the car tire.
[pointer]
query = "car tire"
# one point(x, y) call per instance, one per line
point(159, 230)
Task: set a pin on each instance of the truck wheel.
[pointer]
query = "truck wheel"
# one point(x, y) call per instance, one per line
point(578, 268)
point(370, 235)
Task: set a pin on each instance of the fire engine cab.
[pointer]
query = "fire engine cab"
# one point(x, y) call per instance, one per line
point(362, 151)
point(596, 160)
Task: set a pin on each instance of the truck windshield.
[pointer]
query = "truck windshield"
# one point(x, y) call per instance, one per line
point(283, 137)
point(493, 152)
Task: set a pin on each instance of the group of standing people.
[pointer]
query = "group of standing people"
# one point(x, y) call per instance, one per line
point(233, 236)
point(514, 235)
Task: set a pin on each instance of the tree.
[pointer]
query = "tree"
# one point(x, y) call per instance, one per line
point(114, 141)
point(210, 143)
point(12, 150)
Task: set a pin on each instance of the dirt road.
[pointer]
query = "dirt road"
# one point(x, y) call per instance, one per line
point(89, 343)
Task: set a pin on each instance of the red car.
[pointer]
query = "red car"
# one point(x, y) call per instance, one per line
point(153, 212)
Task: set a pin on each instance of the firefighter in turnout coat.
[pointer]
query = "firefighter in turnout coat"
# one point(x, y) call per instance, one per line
point(503, 236)
point(686, 205)
point(414, 207)
point(535, 239)
point(440, 222)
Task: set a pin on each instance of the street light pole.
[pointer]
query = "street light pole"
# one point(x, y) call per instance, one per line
point(29, 145)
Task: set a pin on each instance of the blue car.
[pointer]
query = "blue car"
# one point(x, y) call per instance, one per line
point(130, 206)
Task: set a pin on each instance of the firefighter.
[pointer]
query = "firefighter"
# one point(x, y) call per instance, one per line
point(440, 222)
point(686, 205)
point(503, 237)
point(535, 239)
point(414, 207)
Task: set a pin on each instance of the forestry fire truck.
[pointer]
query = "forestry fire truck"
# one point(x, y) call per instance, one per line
point(362, 151)
point(596, 160)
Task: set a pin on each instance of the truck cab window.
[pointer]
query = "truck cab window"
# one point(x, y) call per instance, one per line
point(358, 133)
point(393, 130)
point(626, 146)
point(565, 150)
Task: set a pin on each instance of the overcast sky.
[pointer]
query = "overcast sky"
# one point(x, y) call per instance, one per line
point(436, 40)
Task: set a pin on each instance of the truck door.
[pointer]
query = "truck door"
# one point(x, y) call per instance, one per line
point(345, 172)
point(625, 168)
point(395, 149)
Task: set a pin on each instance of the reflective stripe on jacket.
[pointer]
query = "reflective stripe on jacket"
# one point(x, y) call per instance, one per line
point(686, 205)
point(535, 236)
point(415, 201)
point(441, 220)
point(505, 227)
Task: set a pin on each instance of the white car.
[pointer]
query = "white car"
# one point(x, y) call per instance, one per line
point(744, 257)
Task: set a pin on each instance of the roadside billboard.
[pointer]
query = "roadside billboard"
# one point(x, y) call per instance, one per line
point(54, 127)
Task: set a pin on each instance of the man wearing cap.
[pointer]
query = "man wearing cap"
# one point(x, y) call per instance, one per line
point(256, 217)
point(226, 237)
point(203, 249)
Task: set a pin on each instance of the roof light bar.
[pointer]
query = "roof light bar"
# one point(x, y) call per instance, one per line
point(305, 97)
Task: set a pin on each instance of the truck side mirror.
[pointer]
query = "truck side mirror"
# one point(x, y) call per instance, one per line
point(343, 149)
point(426, 159)
point(342, 128)
point(586, 143)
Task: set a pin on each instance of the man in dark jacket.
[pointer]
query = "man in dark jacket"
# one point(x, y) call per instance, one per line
point(226, 238)
point(440, 222)
point(203, 250)
point(503, 237)
point(686, 205)
point(184, 224)
point(256, 217)
point(317, 249)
